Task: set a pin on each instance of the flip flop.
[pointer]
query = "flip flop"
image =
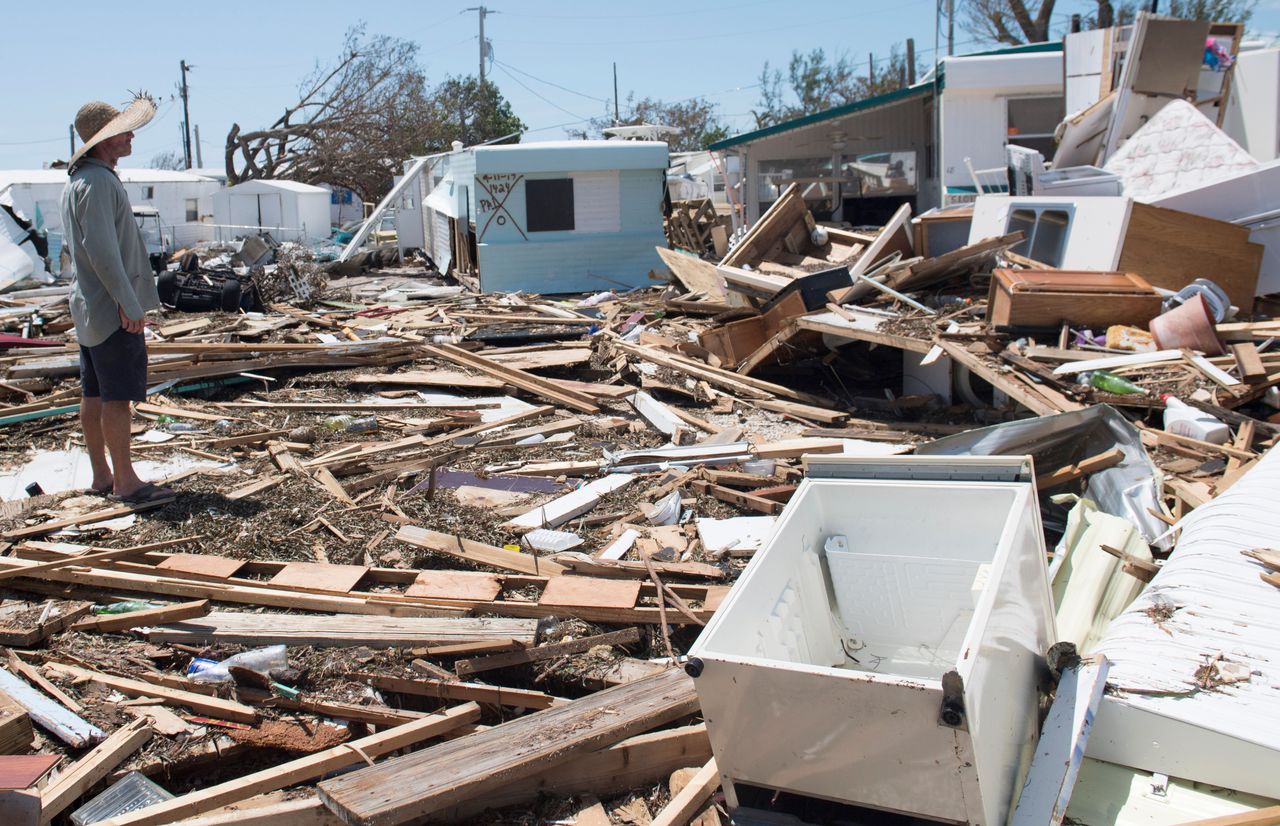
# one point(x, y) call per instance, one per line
point(146, 494)
point(105, 490)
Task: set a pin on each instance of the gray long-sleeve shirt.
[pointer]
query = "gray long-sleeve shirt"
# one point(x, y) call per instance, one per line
point(109, 263)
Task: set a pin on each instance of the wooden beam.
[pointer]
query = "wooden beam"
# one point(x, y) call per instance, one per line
point(446, 690)
point(301, 770)
point(475, 665)
point(519, 378)
point(91, 768)
point(444, 775)
point(636, 761)
point(112, 623)
point(473, 551)
point(304, 811)
point(737, 497)
point(213, 706)
point(340, 630)
point(1068, 473)
point(690, 799)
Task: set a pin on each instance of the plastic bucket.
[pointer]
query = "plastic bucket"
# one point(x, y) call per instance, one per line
point(1187, 326)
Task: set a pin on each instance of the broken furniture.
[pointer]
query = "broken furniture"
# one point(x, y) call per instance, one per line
point(1047, 298)
point(899, 615)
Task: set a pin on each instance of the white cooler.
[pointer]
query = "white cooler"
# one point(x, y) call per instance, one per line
point(884, 648)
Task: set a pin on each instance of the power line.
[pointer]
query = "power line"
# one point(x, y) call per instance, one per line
point(549, 83)
point(541, 97)
point(684, 13)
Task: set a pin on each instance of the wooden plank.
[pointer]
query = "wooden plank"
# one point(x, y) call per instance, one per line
point(246, 439)
point(1249, 361)
point(33, 676)
point(201, 565)
point(1019, 393)
point(626, 636)
point(112, 623)
point(795, 448)
point(432, 378)
point(214, 706)
point(454, 690)
point(341, 630)
point(691, 798)
point(739, 498)
point(1060, 750)
point(318, 576)
point(479, 552)
point(49, 715)
point(519, 378)
point(1071, 472)
point(303, 811)
point(455, 585)
point(444, 775)
point(84, 519)
point(1170, 248)
point(301, 770)
point(257, 486)
point(636, 761)
point(91, 768)
point(581, 591)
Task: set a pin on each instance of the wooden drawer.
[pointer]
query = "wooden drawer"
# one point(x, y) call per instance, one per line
point(1046, 298)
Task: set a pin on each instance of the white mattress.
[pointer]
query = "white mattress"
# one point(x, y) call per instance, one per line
point(1177, 149)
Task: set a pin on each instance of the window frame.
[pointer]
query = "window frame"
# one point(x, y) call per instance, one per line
point(561, 219)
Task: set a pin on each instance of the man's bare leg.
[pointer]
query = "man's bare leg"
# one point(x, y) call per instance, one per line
point(116, 417)
point(91, 427)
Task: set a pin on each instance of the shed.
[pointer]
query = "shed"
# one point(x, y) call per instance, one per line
point(289, 210)
point(552, 217)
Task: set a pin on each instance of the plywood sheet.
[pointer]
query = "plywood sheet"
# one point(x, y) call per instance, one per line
point(318, 576)
point(591, 592)
point(461, 585)
point(201, 565)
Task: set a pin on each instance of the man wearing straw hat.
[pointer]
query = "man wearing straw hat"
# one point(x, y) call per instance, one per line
point(112, 287)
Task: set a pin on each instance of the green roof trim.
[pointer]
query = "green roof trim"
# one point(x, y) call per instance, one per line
point(827, 114)
point(904, 93)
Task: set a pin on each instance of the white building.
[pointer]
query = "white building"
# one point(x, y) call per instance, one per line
point(908, 145)
point(290, 211)
point(183, 200)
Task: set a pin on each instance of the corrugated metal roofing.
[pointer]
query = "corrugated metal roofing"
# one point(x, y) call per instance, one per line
point(1207, 608)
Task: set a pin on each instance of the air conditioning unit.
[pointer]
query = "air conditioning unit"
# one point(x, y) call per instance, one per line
point(885, 648)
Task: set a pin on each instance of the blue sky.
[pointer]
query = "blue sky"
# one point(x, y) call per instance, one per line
point(553, 57)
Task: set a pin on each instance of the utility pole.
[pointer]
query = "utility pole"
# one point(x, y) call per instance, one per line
point(199, 158)
point(951, 27)
point(484, 44)
point(871, 68)
point(617, 117)
point(911, 61)
point(186, 115)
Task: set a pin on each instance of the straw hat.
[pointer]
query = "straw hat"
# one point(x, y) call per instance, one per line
point(97, 121)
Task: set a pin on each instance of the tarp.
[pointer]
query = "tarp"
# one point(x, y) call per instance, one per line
point(1126, 490)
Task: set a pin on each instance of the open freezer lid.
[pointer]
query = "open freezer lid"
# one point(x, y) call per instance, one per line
point(922, 468)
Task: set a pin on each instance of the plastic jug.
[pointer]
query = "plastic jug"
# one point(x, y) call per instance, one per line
point(1184, 420)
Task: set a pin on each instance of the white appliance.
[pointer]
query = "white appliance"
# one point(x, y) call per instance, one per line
point(884, 649)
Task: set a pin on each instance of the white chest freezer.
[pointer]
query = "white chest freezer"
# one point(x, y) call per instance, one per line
point(885, 648)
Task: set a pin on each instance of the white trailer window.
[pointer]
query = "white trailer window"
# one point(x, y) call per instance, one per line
point(1031, 122)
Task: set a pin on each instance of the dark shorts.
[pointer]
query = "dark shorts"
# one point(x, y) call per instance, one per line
point(116, 369)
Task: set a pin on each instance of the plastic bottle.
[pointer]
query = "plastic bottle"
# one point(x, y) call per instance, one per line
point(364, 424)
point(1111, 383)
point(336, 423)
point(125, 607)
point(182, 427)
point(261, 660)
point(1182, 419)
